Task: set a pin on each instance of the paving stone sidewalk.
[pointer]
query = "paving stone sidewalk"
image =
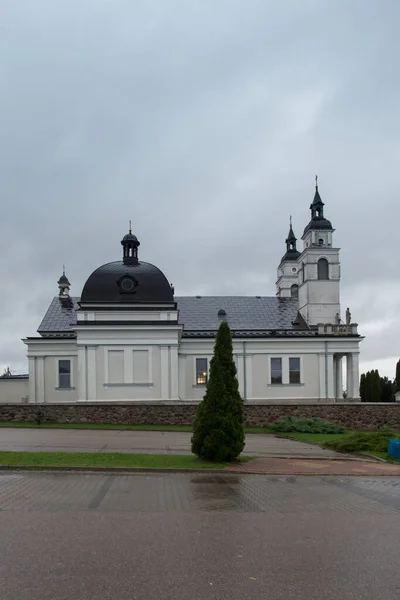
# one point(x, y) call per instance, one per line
point(304, 466)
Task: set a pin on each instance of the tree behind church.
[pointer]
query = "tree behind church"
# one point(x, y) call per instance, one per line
point(397, 377)
point(218, 428)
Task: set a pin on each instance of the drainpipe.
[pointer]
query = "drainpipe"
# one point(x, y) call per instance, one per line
point(244, 373)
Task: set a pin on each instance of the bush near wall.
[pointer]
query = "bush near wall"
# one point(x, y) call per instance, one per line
point(352, 415)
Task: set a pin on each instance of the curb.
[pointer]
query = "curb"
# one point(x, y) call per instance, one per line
point(95, 469)
point(137, 470)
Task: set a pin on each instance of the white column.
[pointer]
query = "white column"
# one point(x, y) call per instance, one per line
point(329, 370)
point(338, 378)
point(249, 376)
point(82, 374)
point(356, 376)
point(321, 370)
point(349, 375)
point(240, 371)
point(32, 379)
point(164, 373)
point(91, 369)
point(174, 372)
point(40, 379)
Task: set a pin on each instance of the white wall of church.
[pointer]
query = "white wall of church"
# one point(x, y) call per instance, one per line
point(52, 390)
point(13, 390)
point(128, 372)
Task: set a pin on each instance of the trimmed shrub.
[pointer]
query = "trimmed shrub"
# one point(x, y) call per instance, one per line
point(363, 442)
point(306, 425)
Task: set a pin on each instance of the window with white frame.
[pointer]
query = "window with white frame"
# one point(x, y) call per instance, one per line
point(294, 370)
point(201, 371)
point(64, 373)
point(276, 370)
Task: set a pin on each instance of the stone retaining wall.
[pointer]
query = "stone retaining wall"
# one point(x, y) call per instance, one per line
point(352, 415)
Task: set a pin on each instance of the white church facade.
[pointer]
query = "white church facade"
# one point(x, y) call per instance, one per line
point(128, 338)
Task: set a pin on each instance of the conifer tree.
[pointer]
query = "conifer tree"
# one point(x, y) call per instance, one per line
point(218, 429)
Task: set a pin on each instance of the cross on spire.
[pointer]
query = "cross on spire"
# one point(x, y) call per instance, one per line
point(316, 182)
point(130, 226)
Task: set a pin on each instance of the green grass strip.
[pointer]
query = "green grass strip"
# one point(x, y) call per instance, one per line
point(114, 459)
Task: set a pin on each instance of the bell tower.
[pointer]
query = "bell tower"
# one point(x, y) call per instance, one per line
point(319, 270)
point(287, 282)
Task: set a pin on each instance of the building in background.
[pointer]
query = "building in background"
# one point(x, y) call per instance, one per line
point(128, 338)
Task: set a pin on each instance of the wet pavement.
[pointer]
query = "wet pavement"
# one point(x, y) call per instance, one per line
point(146, 442)
point(315, 466)
point(201, 537)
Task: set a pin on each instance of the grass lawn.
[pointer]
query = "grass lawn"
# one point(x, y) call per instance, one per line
point(385, 456)
point(314, 438)
point(92, 459)
point(119, 427)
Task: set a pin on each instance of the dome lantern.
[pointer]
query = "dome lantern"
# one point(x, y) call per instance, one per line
point(130, 245)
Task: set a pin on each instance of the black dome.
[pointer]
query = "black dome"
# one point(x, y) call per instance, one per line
point(318, 223)
point(130, 237)
point(121, 282)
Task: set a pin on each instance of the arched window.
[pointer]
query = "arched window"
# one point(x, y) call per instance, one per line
point(321, 242)
point(294, 291)
point(323, 269)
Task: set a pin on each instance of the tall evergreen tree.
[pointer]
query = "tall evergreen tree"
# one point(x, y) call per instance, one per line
point(387, 393)
point(218, 429)
point(368, 386)
point(397, 378)
point(362, 387)
point(375, 386)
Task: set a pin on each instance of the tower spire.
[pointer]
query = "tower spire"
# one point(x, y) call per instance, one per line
point(63, 285)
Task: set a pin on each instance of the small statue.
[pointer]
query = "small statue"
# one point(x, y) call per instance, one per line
point(348, 317)
point(337, 319)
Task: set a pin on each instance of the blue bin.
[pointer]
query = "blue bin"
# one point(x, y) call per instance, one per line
point(394, 448)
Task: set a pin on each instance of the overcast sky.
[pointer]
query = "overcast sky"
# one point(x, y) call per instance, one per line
point(203, 121)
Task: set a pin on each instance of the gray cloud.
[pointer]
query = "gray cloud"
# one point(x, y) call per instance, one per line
point(204, 122)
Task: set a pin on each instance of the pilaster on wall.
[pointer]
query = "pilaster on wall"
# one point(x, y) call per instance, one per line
point(174, 374)
point(322, 378)
point(32, 379)
point(164, 373)
point(82, 374)
point(91, 373)
point(40, 397)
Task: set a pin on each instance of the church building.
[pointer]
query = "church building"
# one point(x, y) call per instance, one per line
point(128, 338)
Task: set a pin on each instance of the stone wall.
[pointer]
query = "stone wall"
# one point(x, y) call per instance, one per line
point(352, 415)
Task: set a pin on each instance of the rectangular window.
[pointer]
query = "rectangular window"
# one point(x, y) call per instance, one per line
point(64, 373)
point(201, 371)
point(294, 370)
point(276, 370)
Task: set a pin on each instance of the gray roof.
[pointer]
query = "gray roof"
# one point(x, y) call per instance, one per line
point(60, 318)
point(197, 314)
point(242, 312)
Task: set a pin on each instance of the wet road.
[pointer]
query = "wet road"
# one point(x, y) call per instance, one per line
point(200, 537)
point(146, 442)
